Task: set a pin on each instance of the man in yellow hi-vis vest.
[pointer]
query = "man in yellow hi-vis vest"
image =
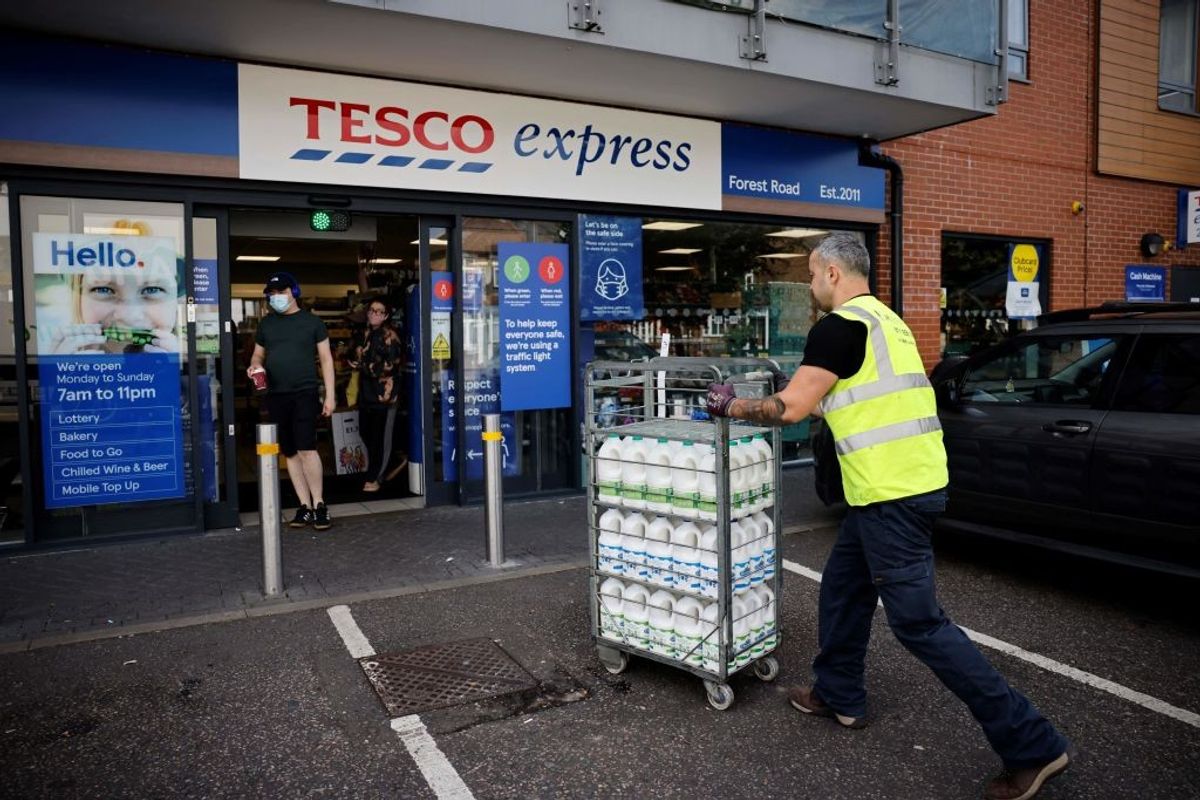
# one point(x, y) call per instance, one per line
point(863, 373)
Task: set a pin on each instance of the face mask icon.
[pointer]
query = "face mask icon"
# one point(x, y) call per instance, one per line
point(610, 282)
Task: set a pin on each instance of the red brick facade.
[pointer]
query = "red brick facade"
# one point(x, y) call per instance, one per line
point(1017, 174)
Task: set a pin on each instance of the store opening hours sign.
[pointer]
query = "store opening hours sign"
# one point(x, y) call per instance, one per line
point(110, 428)
point(535, 326)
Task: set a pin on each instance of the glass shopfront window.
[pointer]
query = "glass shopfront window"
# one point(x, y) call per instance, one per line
point(12, 518)
point(537, 444)
point(110, 396)
point(976, 273)
point(718, 290)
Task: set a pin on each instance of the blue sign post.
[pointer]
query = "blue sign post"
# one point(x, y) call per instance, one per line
point(482, 396)
point(1145, 284)
point(535, 327)
point(111, 428)
point(610, 272)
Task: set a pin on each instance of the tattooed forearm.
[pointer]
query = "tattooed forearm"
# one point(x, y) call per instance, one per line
point(768, 411)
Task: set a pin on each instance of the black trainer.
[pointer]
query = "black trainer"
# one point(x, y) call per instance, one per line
point(304, 518)
point(321, 519)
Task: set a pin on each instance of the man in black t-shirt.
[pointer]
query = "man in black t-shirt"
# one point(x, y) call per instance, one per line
point(287, 344)
point(889, 444)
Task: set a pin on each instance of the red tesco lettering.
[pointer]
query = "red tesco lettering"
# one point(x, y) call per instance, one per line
point(433, 129)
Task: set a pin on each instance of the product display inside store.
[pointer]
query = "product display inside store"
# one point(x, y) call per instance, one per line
point(719, 289)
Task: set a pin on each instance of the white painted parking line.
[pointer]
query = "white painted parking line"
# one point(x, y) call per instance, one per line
point(439, 773)
point(356, 643)
point(1050, 665)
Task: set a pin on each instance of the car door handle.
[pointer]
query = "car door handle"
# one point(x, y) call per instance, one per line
point(1067, 427)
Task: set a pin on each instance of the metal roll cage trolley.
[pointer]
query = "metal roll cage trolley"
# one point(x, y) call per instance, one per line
point(663, 399)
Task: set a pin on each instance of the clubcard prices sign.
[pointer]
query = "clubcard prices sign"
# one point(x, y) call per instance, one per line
point(1023, 299)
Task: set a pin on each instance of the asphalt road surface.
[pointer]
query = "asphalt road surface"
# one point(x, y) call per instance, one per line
point(279, 707)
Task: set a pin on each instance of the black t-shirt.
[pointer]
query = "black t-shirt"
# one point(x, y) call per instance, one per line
point(291, 344)
point(836, 344)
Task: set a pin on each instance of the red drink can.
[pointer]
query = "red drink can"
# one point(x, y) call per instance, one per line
point(259, 378)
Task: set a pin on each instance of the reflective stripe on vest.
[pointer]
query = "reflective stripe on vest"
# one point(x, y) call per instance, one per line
point(888, 433)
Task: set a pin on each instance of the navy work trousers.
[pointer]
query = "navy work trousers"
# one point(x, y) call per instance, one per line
point(883, 552)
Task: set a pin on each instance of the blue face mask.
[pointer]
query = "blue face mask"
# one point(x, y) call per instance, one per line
point(280, 302)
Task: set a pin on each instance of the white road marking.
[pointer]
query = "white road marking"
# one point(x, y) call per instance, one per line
point(439, 773)
point(356, 643)
point(1050, 665)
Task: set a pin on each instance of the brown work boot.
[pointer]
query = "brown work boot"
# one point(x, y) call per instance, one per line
point(1022, 784)
point(804, 698)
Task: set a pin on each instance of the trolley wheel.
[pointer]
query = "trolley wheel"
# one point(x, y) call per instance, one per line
point(618, 666)
point(720, 695)
point(767, 668)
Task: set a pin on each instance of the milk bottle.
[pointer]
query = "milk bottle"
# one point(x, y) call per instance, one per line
point(739, 479)
point(708, 561)
point(633, 546)
point(635, 605)
point(766, 600)
point(766, 471)
point(710, 647)
point(633, 473)
point(658, 477)
point(612, 620)
point(685, 481)
point(687, 630)
point(609, 554)
point(608, 470)
point(739, 556)
point(755, 620)
point(706, 503)
point(658, 552)
point(662, 623)
point(741, 611)
point(685, 556)
point(755, 539)
point(768, 552)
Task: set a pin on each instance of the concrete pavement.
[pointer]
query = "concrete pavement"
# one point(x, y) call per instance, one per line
point(95, 591)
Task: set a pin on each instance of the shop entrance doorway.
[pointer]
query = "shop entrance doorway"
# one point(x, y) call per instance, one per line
point(373, 265)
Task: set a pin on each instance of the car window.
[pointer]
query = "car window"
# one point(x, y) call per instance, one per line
point(1046, 370)
point(1163, 375)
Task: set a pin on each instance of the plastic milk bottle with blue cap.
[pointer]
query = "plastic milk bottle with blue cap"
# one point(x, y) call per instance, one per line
point(608, 470)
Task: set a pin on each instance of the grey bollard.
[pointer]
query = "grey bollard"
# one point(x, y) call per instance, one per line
point(268, 509)
point(493, 470)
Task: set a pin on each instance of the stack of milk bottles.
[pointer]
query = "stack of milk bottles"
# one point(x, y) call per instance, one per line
point(657, 547)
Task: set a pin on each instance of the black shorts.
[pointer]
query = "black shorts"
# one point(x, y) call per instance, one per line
point(295, 414)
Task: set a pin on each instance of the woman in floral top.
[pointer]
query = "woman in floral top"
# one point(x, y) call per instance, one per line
point(380, 358)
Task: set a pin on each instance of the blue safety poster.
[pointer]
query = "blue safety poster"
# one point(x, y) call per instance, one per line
point(111, 428)
point(482, 396)
point(610, 270)
point(535, 327)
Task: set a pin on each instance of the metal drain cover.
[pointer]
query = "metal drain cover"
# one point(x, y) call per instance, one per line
point(443, 675)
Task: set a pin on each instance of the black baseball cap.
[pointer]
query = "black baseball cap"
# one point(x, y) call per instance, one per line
point(279, 281)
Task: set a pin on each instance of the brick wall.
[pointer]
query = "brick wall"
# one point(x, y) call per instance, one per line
point(1017, 173)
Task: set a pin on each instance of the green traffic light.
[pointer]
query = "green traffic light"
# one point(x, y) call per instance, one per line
point(320, 221)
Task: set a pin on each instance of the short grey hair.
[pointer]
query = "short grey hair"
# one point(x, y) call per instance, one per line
point(847, 251)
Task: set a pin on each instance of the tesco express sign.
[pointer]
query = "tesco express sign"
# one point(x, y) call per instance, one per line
point(334, 129)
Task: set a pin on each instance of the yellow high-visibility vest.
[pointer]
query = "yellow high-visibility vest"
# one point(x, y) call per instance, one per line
point(884, 417)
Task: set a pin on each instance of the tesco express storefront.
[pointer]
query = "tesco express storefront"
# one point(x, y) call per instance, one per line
point(148, 195)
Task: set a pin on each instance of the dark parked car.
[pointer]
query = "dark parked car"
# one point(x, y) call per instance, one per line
point(1082, 434)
